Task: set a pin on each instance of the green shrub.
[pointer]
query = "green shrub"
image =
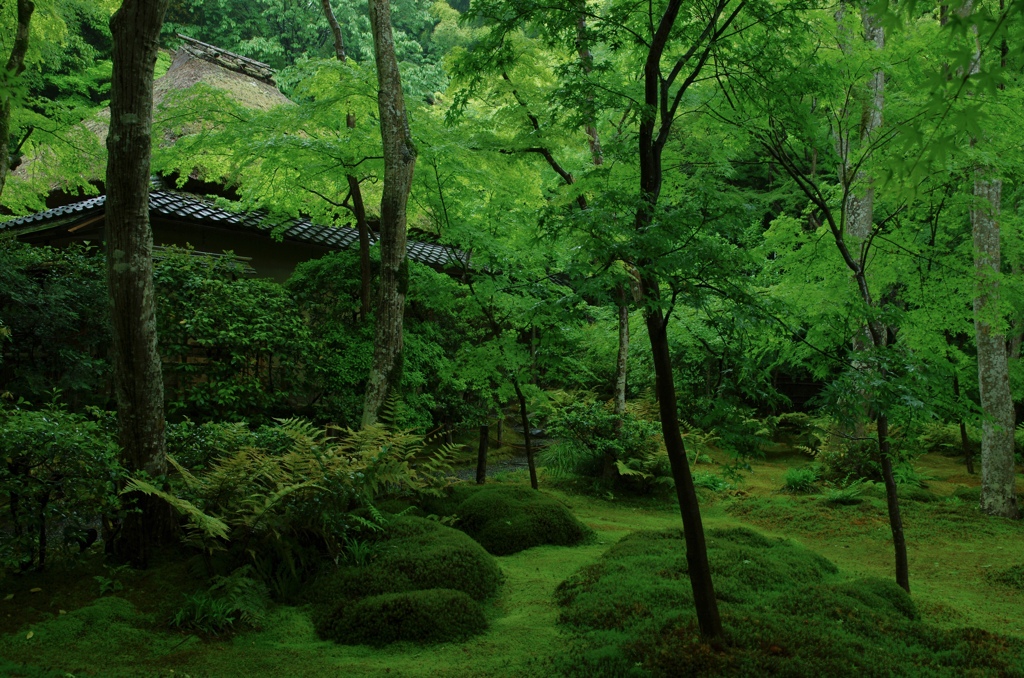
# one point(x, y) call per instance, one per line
point(710, 481)
point(287, 508)
point(416, 554)
point(847, 495)
point(944, 438)
point(54, 323)
point(801, 480)
point(429, 616)
point(906, 475)
point(785, 611)
point(507, 519)
point(589, 433)
point(58, 468)
point(235, 599)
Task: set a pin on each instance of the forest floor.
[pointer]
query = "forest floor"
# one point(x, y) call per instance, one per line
point(952, 548)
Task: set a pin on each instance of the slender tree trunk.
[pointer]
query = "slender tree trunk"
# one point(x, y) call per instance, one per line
point(651, 140)
point(689, 508)
point(998, 474)
point(15, 66)
point(399, 162)
point(481, 454)
point(138, 381)
point(965, 442)
point(358, 208)
point(622, 364)
point(44, 500)
point(621, 372)
point(892, 502)
point(524, 418)
point(499, 435)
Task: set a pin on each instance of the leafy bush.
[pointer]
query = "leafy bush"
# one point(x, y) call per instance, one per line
point(233, 347)
point(59, 469)
point(944, 438)
point(428, 616)
point(801, 480)
point(710, 481)
point(231, 600)
point(508, 519)
point(784, 612)
point(847, 495)
point(54, 323)
point(287, 508)
point(589, 436)
point(906, 475)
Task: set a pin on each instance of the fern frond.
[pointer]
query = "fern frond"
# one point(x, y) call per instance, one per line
point(207, 524)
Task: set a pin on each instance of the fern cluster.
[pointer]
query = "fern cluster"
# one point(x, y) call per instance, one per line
point(283, 508)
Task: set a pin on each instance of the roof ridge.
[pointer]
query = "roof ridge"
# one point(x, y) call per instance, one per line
point(229, 60)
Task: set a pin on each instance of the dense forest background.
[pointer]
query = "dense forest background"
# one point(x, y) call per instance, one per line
point(684, 237)
point(526, 135)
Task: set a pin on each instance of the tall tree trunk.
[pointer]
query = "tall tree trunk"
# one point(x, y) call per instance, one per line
point(860, 208)
point(399, 162)
point(15, 66)
point(689, 508)
point(358, 208)
point(138, 381)
point(998, 478)
point(481, 454)
point(651, 140)
point(524, 418)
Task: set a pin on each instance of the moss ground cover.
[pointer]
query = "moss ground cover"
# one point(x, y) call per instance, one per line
point(506, 519)
point(952, 551)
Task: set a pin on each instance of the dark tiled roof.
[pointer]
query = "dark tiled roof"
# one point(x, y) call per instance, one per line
point(55, 214)
point(189, 208)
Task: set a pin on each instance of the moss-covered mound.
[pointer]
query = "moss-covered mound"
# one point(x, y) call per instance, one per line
point(431, 616)
point(785, 611)
point(419, 555)
point(507, 519)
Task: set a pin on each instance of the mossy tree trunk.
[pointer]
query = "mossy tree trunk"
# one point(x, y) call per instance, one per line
point(138, 382)
point(399, 163)
point(15, 66)
point(998, 473)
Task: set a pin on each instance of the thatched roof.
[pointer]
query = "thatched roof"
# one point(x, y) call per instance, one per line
point(246, 81)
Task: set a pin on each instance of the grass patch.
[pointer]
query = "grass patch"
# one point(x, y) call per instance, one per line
point(785, 610)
